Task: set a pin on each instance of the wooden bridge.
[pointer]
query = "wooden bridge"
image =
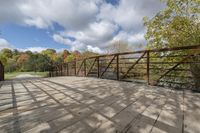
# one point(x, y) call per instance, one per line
point(74, 103)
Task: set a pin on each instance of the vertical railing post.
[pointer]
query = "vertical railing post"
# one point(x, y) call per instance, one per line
point(67, 69)
point(1, 72)
point(117, 67)
point(148, 59)
point(61, 70)
point(98, 68)
point(85, 67)
point(75, 67)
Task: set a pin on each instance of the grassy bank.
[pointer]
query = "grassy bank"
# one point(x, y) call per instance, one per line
point(14, 74)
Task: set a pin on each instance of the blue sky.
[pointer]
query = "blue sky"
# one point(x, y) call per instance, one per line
point(74, 25)
point(23, 37)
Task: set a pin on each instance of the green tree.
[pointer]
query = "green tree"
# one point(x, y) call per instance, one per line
point(176, 25)
point(65, 53)
point(49, 52)
point(70, 58)
point(3, 59)
point(87, 54)
point(22, 61)
point(7, 52)
point(16, 52)
point(11, 65)
point(118, 47)
point(38, 62)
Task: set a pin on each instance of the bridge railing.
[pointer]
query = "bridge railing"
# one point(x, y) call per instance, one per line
point(175, 67)
point(1, 72)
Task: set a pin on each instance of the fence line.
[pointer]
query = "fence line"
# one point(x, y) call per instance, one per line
point(166, 67)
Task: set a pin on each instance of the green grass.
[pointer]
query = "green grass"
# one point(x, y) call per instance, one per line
point(14, 74)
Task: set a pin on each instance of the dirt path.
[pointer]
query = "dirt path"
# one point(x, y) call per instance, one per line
point(22, 76)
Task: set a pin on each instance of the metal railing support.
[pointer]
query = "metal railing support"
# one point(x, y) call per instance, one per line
point(85, 67)
point(75, 67)
point(117, 67)
point(98, 68)
point(148, 74)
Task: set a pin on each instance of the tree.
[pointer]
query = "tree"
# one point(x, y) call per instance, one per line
point(22, 61)
point(3, 59)
point(7, 53)
point(11, 65)
point(76, 54)
point(49, 52)
point(177, 25)
point(118, 47)
point(16, 52)
point(87, 54)
point(65, 53)
point(38, 62)
point(70, 58)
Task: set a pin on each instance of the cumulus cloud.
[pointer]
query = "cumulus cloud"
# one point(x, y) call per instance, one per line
point(75, 45)
point(94, 49)
point(33, 49)
point(92, 23)
point(5, 44)
point(38, 49)
point(70, 14)
point(96, 34)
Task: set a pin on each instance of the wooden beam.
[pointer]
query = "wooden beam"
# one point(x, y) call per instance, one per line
point(80, 67)
point(117, 67)
point(148, 60)
point(75, 67)
point(98, 67)
point(91, 66)
point(108, 66)
point(85, 68)
point(182, 61)
point(133, 65)
point(151, 50)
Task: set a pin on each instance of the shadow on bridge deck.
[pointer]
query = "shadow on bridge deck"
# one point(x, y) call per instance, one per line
point(87, 105)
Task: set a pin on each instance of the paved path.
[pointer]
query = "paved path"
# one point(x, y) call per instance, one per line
point(90, 105)
point(24, 76)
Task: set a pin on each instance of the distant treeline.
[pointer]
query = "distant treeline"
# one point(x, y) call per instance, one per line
point(15, 60)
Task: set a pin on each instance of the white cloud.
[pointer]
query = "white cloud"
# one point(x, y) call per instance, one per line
point(38, 49)
point(92, 23)
point(130, 38)
point(38, 22)
point(70, 14)
point(129, 13)
point(94, 49)
point(33, 49)
point(96, 34)
point(5, 44)
point(75, 45)
point(58, 38)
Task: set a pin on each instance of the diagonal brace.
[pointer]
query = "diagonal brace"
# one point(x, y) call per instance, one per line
point(108, 66)
point(133, 65)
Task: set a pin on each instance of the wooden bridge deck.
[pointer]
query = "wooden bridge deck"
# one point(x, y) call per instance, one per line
point(87, 105)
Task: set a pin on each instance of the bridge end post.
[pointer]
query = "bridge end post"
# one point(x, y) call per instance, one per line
point(148, 75)
point(117, 63)
point(1, 72)
point(98, 67)
point(85, 67)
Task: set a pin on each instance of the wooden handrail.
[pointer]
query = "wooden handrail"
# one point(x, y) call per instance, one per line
point(150, 69)
point(142, 51)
